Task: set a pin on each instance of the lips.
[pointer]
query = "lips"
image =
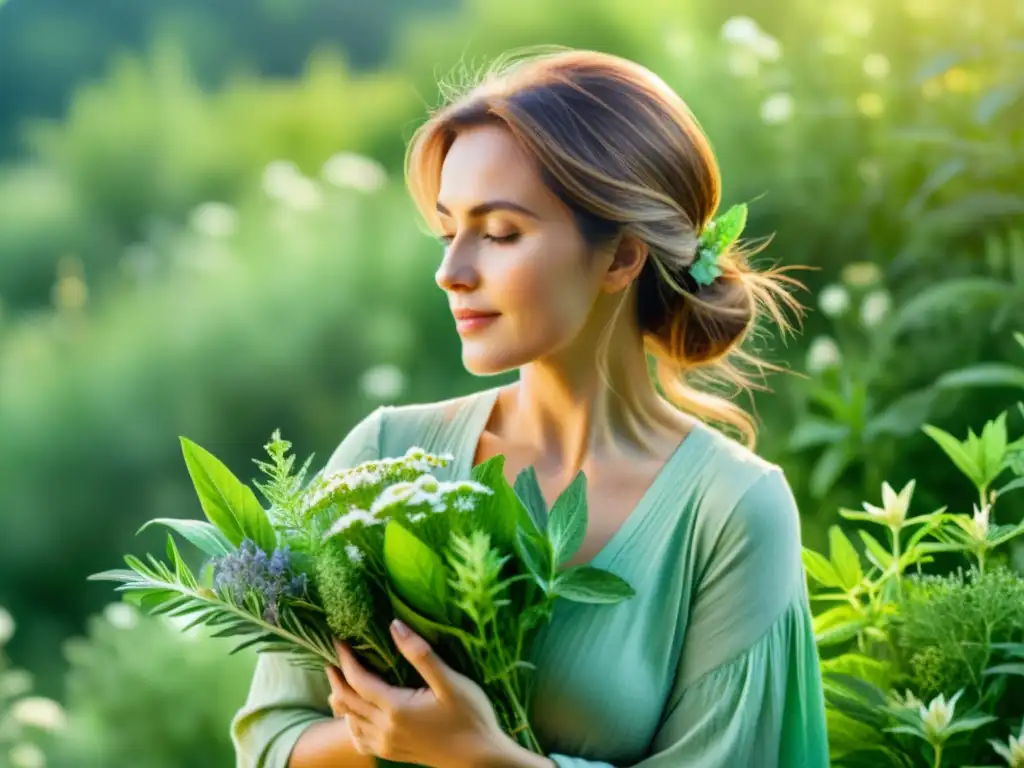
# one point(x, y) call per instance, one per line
point(470, 320)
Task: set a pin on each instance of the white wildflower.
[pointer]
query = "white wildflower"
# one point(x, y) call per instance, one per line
point(874, 308)
point(216, 220)
point(741, 30)
point(1013, 751)
point(893, 511)
point(417, 517)
point(938, 716)
point(822, 354)
point(354, 171)
point(777, 108)
point(355, 554)
point(121, 615)
point(6, 627)
point(981, 521)
point(834, 300)
point(26, 755)
point(876, 66)
point(39, 712)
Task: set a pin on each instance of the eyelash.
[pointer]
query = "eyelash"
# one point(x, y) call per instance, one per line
point(505, 240)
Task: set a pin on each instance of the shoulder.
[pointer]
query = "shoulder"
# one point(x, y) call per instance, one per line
point(390, 430)
point(748, 510)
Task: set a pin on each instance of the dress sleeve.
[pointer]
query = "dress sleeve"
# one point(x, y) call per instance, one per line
point(748, 686)
point(284, 699)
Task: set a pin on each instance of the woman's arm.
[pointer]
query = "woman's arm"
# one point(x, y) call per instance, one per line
point(328, 744)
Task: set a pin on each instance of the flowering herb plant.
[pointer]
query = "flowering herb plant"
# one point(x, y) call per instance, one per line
point(474, 565)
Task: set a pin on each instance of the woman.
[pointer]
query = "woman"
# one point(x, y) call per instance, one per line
point(572, 191)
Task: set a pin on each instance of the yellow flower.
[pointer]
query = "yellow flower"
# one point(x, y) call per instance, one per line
point(894, 505)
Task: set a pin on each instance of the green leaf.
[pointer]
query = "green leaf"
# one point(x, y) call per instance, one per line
point(820, 569)
point(228, 503)
point(845, 560)
point(1013, 485)
point(840, 633)
point(955, 451)
point(876, 551)
point(585, 584)
point(969, 724)
point(534, 554)
point(983, 375)
point(501, 512)
point(208, 538)
point(1005, 669)
point(829, 468)
point(994, 441)
point(568, 522)
point(812, 431)
point(903, 416)
point(527, 489)
point(430, 630)
point(416, 571)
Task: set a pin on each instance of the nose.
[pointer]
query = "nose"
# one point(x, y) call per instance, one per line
point(457, 272)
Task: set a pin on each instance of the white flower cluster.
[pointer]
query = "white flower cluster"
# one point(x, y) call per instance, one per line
point(430, 493)
point(325, 489)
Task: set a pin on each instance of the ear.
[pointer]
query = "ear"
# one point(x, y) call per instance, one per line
point(629, 258)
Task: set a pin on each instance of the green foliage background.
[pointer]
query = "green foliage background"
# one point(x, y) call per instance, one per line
point(175, 260)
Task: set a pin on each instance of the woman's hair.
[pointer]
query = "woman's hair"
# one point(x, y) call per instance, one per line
point(624, 153)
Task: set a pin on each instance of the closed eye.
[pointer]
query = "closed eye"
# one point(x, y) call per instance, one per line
point(502, 240)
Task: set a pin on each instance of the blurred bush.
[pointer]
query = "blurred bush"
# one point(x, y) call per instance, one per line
point(26, 722)
point(141, 693)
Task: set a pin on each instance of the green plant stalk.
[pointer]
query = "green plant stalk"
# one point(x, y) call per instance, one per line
point(897, 570)
point(938, 755)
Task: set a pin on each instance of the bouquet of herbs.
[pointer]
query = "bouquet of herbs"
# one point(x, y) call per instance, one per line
point(473, 565)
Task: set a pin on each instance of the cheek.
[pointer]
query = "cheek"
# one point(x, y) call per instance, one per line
point(546, 293)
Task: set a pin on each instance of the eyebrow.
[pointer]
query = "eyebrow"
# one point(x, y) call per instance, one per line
point(494, 205)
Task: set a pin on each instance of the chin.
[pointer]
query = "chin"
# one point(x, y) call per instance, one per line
point(483, 357)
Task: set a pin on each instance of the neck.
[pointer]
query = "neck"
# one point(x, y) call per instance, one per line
point(566, 411)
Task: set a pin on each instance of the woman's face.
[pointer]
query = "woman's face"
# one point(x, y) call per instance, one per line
point(513, 254)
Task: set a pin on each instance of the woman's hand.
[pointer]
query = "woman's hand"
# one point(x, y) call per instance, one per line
point(449, 724)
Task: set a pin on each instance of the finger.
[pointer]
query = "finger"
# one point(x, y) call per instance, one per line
point(356, 704)
point(338, 708)
point(366, 684)
point(417, 651)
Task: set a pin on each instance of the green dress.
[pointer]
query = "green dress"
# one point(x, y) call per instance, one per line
point(711, 665)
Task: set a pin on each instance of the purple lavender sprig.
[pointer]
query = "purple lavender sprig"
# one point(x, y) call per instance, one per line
point(250, 573)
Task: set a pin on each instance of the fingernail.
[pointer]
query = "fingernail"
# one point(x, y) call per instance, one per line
point(399, 627)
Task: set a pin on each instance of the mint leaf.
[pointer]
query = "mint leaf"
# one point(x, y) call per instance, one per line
point(586, 584)
point(568, 522)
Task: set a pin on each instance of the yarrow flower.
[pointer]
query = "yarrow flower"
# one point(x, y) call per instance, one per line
point(358, 486)
point(429, 493)
point(251, 572)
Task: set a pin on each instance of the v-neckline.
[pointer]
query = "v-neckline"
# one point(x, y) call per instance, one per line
point(481, 409)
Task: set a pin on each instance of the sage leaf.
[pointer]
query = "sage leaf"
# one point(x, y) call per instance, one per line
point(416, 571)
point(208, 538)
point(228, 503)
